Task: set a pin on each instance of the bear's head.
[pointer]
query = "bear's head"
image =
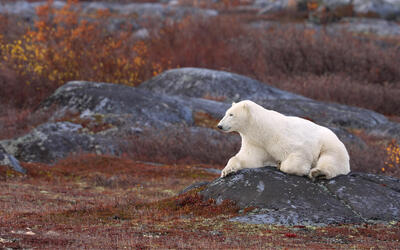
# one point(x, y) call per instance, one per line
point(236, 117)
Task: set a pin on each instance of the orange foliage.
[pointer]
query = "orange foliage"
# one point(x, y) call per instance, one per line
point(393, 155)
point(65, 46)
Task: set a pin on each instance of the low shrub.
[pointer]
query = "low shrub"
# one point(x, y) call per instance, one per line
point(65, 46)
point(181, 146)
point(329, 65)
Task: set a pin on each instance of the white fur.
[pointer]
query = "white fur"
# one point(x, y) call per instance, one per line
point(292, 144)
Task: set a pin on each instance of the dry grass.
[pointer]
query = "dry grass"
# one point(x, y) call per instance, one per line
point(182, 145)
point(108, 202)
point(15, 122)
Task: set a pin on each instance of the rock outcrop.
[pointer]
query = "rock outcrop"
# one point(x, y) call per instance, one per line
point(133, 14)
point(228, 87)
point(212, 84)
point(273, 197)
point(383, 8)
point(98, 117)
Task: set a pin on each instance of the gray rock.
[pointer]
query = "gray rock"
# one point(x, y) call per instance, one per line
point(98, 117)
point(387, 130)
point(367, 25)
point(146, 10)
point(219, 85)
point(141, 106)
point(267, 6)
point(10, 161)
point(52, 141)
point(368, 199)
point(227, 87)
point(292, 200)
point(133, 13)
point(384, 8)
point(24, 8)
point(328, 114)
point(336, 3)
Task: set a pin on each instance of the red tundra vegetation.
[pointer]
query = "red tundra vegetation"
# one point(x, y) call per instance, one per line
point(108, 202)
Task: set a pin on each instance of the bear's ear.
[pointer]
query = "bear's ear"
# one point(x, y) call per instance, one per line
point(233, 103)
point(244, 106)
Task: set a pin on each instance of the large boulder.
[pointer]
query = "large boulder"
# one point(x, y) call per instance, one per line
point(328, 114)
point(141, 106)
point(52, 141)
point(274, 197)
point(213, 84)
point(228, 87)
point(101, 117)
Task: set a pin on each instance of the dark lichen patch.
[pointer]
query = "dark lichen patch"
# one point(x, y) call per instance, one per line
point(94, 123)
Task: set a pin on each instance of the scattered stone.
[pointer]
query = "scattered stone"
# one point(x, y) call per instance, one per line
point(52, 233)
point(388, 9)
point(123, 15)
point(10, 161)
point(376, 26)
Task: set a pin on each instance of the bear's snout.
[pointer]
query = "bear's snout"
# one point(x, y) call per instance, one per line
point(219, 126)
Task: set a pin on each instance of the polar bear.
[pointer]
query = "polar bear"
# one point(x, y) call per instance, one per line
point(292, 144)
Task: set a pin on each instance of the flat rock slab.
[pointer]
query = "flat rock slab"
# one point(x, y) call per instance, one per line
point(278, 198)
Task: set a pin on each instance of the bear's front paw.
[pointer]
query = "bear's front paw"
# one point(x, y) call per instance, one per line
point(227, 171)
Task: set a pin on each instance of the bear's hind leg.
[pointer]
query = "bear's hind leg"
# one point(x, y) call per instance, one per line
point(324, 168)
point(295, 164)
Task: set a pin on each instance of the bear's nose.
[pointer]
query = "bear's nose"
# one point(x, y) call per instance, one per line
point(219, 126)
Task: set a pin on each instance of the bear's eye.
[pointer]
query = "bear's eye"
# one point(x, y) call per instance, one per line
point(230, 114)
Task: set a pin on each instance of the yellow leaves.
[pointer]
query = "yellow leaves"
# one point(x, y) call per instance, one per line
point(38, 69)
point(393, 155)
point(62, 47)
point(138, 61)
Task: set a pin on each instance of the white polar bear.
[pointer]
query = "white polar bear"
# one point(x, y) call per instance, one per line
point(292, 144)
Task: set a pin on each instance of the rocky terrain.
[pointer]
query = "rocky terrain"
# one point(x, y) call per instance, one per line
point(97, 117)
point(345, 14)
point(116, 147)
